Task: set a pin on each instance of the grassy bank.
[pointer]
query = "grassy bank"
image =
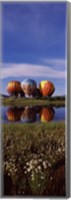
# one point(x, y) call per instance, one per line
point(27, 102)
point(34, 136)
point(31, 154)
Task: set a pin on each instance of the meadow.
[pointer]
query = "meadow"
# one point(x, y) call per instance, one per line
point(34, 159)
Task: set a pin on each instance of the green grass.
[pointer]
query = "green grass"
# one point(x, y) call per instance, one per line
point(31, 152)
point(28, 102)
point(34, 138)
point(34, 134)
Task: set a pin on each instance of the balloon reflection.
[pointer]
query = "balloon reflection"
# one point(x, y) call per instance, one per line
point(47, 114)
point(28, 115)
point(14, 114)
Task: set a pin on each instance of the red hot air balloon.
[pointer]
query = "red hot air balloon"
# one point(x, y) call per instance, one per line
point(14, 88)
point(46, 88)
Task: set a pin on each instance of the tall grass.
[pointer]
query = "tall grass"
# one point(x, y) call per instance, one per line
point(31, 154)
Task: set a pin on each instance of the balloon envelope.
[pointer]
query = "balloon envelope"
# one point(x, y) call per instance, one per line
point(46, 88)
point(28, 86)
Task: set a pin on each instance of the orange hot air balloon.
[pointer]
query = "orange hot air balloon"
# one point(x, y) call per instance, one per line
point(14, 88)
point(28, 86)
point(14, 114)
point(46, 114)
point(46, 88)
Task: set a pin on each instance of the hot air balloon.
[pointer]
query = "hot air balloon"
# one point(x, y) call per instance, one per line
point(14, 114)
point(47, 114)
point(46, 88)
point(28, 86)
point(14, 88)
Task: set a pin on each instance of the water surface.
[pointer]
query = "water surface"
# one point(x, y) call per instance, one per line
point(30, 114)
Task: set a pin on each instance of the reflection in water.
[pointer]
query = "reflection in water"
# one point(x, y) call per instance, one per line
point(32, 114)
point(14, 114)
point(28, 115)
point(37, 178)
point(46, 114)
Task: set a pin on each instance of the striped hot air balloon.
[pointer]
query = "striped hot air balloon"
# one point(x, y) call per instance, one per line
point(46, 88)
point(47, 114)
point(28, 86)
point(14, 88)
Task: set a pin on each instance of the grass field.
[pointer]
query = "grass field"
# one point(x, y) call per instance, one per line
point(54, 101)
point(31, 154)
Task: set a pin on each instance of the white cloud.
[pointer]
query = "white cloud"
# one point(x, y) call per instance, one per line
point(56, 63)
point(30, 70)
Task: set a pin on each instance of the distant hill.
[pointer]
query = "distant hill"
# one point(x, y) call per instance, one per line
point(63, 97)
point(4, 96)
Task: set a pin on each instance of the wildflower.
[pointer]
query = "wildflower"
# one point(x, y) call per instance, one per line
point(29, 169)
point(39, 167)
point(42, 177)
point(25, 172)
point(44, 165)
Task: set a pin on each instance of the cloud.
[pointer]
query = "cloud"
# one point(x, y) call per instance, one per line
point(30, 70)
point(58, 64)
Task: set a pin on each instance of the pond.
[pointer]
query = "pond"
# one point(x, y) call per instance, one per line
point(30, 114)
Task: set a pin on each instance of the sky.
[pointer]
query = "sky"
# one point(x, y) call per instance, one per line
point(34, 43)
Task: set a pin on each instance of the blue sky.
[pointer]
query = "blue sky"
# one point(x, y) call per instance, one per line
point(34, 43)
